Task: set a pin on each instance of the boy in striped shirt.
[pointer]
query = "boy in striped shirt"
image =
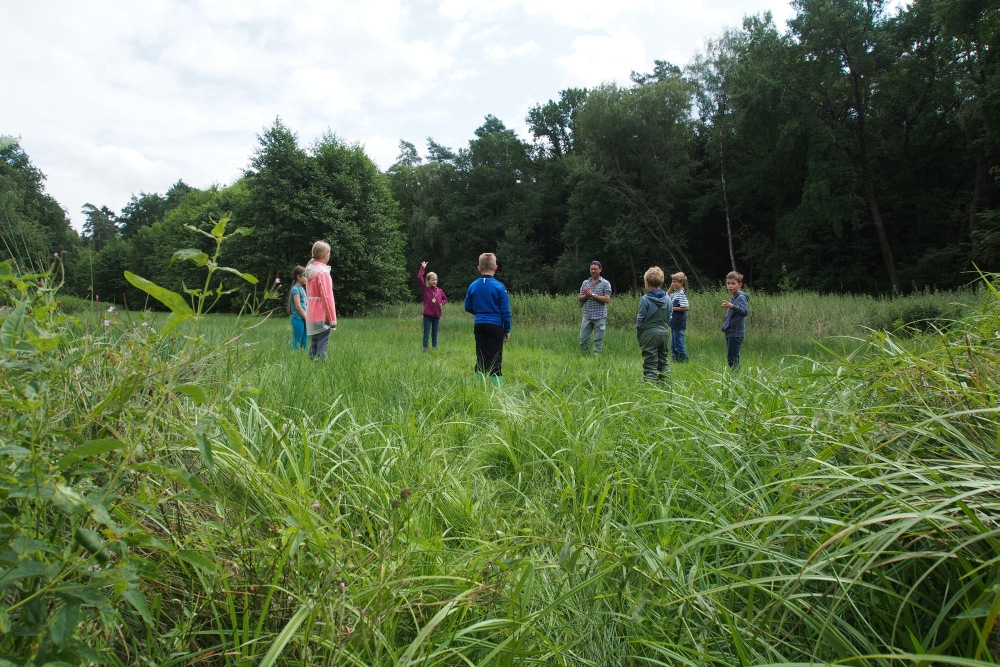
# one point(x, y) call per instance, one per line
point(678, 319)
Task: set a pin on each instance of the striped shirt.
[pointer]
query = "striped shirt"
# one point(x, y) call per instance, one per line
point(679, 318)
point(592, 308)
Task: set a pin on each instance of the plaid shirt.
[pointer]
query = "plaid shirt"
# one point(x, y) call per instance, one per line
point(592, 308)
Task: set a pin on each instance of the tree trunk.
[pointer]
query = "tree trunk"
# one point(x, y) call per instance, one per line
point(725, 199)
point(977, 189)
point(883, 239)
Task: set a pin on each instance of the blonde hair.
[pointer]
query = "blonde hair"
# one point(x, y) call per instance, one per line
point(680, 277)
point(431, 275)
point(735, 275)
point(654, 276)
point(488, 261)
point(320, 248)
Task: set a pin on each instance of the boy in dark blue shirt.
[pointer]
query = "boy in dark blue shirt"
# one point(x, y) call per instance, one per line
point(734, 326)
point(487, 299)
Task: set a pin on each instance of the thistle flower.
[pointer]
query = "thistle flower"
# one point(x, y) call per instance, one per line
point(277, 281)
point(107, 323)
point(111, 309)
point(343, 587)
point(315, 504)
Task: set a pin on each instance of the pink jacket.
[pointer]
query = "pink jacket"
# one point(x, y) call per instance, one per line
point(321, 311)
point(433, 296)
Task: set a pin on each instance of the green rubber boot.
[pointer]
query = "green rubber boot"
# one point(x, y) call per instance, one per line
point(496, 380)
point(480, 377)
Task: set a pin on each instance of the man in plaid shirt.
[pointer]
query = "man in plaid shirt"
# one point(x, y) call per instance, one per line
point(595, 293)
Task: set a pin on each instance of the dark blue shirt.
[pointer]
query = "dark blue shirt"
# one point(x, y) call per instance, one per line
point(735, 324)
point(487, 299)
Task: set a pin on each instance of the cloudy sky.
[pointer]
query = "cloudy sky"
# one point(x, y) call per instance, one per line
point(113, 98)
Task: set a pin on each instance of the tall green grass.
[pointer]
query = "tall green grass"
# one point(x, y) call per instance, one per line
point(834, 501)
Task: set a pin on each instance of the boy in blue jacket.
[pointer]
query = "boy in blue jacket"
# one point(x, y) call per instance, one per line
point(652, 327)
point(487, 299)
point(734, 326)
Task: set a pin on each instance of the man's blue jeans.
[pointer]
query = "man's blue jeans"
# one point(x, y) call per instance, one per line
point(677, 350)
point(733, 346)
point(597, 326)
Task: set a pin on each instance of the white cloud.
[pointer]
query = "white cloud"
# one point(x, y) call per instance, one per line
point(599, 58)
point(118, 97)
point(501, 52)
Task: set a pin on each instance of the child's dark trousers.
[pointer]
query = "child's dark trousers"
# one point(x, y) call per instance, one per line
point(733, 346)
point(489, 348)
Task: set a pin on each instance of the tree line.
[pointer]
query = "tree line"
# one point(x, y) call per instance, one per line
point(854, 151)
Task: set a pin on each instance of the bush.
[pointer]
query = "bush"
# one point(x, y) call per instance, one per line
point(73, 305)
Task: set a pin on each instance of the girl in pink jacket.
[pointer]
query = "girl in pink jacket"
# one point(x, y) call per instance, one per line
point(433, 298)
point(321, 311)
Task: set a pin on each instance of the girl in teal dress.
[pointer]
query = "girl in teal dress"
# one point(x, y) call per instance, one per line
point(297, 304)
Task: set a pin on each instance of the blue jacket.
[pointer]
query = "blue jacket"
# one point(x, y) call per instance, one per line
point(735, 324)
point(487, 299)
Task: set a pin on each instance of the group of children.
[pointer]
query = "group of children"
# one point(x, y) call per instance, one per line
point(660, 324)
point(662, 321)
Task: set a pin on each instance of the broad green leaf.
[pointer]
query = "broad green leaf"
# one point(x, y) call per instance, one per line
point(197, 257)
point(26, 568)
point(63, 623)
point(4, 623)
point(92, 542)
point(13, 451)
point(196, 559)
point(172, 300)
point(195, 392)
point(11, 324)
point(245, 276)
point(220, 227)
point(88, 449)
point(243, 231)
point(173, 321)
point(201, 438)
point(138, 600)
point(6, 273)
point(67, 499)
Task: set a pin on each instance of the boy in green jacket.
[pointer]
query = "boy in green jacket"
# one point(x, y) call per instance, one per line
point(652, 327)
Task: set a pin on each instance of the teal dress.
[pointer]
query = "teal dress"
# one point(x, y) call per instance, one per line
point(299, 337)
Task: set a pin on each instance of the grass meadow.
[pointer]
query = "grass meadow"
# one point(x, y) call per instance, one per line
point(835, 501)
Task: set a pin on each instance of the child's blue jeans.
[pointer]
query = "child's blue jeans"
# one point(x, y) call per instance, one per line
point(318, 345)
point(677, 345)
point(733, 346)
point(431, 326)
point(299, 338)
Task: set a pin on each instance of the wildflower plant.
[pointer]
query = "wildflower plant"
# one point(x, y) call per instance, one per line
point(97, 480)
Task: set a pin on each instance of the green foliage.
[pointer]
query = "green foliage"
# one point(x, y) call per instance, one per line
point(332, 192)
point(93, 462)
point(32, 224)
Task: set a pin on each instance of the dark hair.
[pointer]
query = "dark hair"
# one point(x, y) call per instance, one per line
point(296, 272)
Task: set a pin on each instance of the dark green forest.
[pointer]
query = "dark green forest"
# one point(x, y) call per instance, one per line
point(857, 150)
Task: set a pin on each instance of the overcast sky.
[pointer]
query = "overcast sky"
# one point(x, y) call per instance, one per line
point(113, 98)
